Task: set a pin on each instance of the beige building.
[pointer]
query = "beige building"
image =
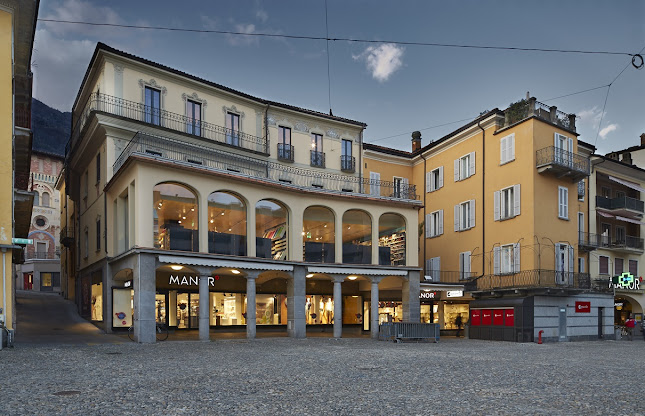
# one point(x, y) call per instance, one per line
point(199, 206)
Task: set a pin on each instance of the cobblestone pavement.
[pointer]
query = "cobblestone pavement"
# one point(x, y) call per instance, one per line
point(324, 376)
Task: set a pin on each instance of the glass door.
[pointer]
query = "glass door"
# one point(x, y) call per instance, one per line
point(161, 311)
point(183, 311)
point(194, 311)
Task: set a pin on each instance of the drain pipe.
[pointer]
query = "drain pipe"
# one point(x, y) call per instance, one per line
point(483, 205)
point(4, 298)
point(425, 197)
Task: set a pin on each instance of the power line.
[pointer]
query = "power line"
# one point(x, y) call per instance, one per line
point(328, 76)
point(426, 128)
point(327, 38)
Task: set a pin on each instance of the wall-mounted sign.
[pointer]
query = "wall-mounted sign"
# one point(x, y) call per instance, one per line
point(487, 315)
point(625, 281)
point(583, 307)
point(454, 293)
point(190, 280)
point(22, 241)
point(128, 283)
point(427, 295)
point(475, 317)
point(498, 317)
point(509, 317)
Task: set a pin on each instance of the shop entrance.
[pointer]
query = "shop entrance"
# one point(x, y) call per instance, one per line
point(622, 310)
point(28, 281)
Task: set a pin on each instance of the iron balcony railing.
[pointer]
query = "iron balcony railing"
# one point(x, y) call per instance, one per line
point(42, 255)
point(622, 202)
point(317, 159)
point(447, 276)
point(533, 108)
point(185, 154)
point(535, 279)
point(285, 152)
point(555, 156)
point(348, 163)
point(627, 242)
point(158, 117)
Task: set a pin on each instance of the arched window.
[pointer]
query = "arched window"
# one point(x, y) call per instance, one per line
point(318, 235)
point(226, 224)
point(175, 218)
point(36, 199)
point(271, 230)
point(357, 237)
point(391, 240)
point(45, 199)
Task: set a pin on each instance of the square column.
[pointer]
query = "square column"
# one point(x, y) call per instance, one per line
point(296, 299)
point(374, 300)
point(107, 297)
point(338, 306)
point(204, 309)
point(250, 304)
point(338, 239)
point(410, 298)
point(144, 283)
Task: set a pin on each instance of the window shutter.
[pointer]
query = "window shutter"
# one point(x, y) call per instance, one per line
point(496, 259)
point(457, 212)
point(570, 143)
point(571, 261)
point(428, 226)
point(428, 270)
point(437, 268)
point(565, 195)
point(511, 147)
point(462, 265)
point(375, 187)
point(456, 170)
point(440, 176)
point(556, 142)
point(472, 163)
point(496, 198)
point(440, 222)
point(558, 265)
point(516, 202)
point(467, 263)
point(472, 212)
point(502, 150)
point(516, 258)
point(429, 182)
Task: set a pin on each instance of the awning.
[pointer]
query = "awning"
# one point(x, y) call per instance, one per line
point(626, 183)
point(348, 270)
point(439, 287)
point(604, 214)
point(248, 265)
point(629, 220)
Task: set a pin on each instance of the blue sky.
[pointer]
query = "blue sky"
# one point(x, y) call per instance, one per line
point(394, 89)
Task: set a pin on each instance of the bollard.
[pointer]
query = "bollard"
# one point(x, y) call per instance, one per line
point(540, 336)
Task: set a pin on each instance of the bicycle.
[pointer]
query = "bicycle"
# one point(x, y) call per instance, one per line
point(161, 332)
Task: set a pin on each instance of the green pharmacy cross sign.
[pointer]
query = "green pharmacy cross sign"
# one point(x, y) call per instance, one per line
point(626, 281)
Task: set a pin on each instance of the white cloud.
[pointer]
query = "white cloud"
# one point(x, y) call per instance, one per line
point(81, 11)
point(262, 15)
point(241, 40)
point(208, 23)
point(605, 131)
point(382, 61)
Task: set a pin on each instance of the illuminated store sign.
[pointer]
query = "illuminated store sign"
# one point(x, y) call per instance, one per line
point(625, 281)
point(190, 280)
point(427, 295)
point(454, 293)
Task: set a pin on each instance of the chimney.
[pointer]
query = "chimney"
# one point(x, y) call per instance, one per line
point(416, 140)
point(643, 139)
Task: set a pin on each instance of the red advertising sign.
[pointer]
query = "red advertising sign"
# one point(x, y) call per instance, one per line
point(475, 317)
point(509, 317)
point(487, 315)
point(583, 307)
point(498, 317)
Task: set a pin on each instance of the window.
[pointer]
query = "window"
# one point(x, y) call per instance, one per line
point(633, 267)
point(41, 250)
point(98, 234)
point(564, 263)
point(346, 148)
point(619, 266)
point(86, 180)
point(620, 194)
point(98, 168)
point(36, 199)
point(346, 159)
point(86, 244)
point(581, 190)
point(605, 192)
point(433, 269)
point(434, 179)
point(233, 129)
point(465, 167)
point(285, 150)
point(40, 165)
point(45, 199)
point(193, 118)
point(581, 265)
point(506, 259)
point(284, 135)
point(464, 265)
point(465, 215)
point(152, 106)
point(563, 203)
point(317, 155)
point(603, 265)
point(507, 203)
point(507, 149)
point(620, 234)
point(434, 224)
point(401, 187)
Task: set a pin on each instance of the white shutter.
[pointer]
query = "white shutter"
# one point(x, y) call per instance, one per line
point(558, 265)
point(496, 260)
point(440, 222)
point(457, 211)
point(405, 188)
point(566, 202)
point(428, 270)
point(502, 150)
point(511, 147)
point(496, 197)
point(467, 262)
point(440, 176)
point(428, 225)
point(472, 164)
point(556, 141)
point(516, 258)
point(429, 182)
point(472, 212)
point(456, 170)
point(516, 196)
point(437, 267)
point(571, 264)
point(375, 187)
point(570, 144)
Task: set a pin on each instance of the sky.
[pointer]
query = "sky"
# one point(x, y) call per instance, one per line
point(393, 88)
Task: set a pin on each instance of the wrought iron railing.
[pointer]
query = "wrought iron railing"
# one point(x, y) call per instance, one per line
point(185, 154)
point(348, 163)
point(447, 276)
point(42, 255)
point(531, 107)
point(605, 241)
point(317, 159)
point(23, 116)
point(285, 152)
point(555, 156)
point(533, 279)
point(622, 202)
point(158, 117)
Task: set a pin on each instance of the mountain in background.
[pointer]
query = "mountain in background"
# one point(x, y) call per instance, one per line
point(51, 128)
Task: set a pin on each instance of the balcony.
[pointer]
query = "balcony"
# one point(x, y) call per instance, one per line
point(23, 117)
point(446, 276)
point(562, 163)
point(67, 236)
point(532, 108)
point(627, 244)
point(531, 279)
point(156, 117)
point(348, 164)
point(185, 155)
point(285, 152)
point(42, 255)
point(621, 206)
point(317, 159)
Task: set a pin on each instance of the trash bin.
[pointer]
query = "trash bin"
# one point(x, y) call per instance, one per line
point(617, 331)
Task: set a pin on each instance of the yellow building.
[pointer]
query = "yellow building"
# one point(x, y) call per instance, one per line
point(501, 216)
point(17, 27)
point(199, 206)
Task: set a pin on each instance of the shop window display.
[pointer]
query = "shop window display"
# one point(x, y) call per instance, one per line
point(357, 237)
point(318, 235)
point(390, 312)
point(226, 224)
point(271, 230)
point(122, 307)
point(391, 240)
point(319, 310)
point(429, 314)
point(450, 313)
point(97, 302)
point(175, 215)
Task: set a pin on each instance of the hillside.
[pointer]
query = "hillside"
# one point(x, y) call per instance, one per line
point(51, 128)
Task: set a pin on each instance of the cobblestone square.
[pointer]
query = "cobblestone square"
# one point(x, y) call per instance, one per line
point(324, 376)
